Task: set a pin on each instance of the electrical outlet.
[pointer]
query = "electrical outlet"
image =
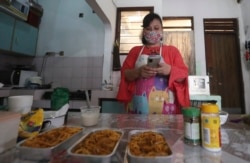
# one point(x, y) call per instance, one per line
point(81, 15)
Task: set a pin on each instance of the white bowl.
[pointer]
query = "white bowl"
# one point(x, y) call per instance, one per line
point(90, 115)
point(53, 122)
point(223, 117)
point(21, 104)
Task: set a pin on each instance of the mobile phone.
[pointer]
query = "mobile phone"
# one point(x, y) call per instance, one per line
point(154, 60)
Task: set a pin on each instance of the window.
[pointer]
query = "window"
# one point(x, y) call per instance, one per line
point(178, 31)
point(220, 25)
point(129, 27)
point(177, 23)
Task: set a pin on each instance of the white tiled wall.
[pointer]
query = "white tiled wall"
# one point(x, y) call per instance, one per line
point(116, 75)
point(72, 72)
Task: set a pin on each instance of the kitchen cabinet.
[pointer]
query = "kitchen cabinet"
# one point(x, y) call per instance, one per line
point(6, 30)
point(24, 38)
point(17, 36)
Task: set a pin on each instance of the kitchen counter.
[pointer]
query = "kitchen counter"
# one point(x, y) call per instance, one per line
point(45, 103)
point(235, 140)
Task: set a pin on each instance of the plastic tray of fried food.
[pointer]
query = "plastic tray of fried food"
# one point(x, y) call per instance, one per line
point(47, 144)
point(148, 146)
point(99, 145)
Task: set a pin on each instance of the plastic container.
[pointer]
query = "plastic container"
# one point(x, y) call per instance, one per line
point(192, 125)
point(223, 117)
point(20, 103)
point(90, 115)
point(210, 127)
point(9, 123)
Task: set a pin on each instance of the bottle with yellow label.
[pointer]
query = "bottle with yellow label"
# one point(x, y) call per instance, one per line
point(210, 127)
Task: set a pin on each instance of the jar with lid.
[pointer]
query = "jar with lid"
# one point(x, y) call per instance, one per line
point(191, 125)
point(210, 127)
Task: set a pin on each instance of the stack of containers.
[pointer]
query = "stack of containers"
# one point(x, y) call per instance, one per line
point(202, 126)
point(9, 123)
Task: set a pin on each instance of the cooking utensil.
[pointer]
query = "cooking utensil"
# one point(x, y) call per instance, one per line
point(87, 98)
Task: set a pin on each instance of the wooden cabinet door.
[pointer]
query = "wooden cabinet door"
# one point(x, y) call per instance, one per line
point(6, 31)
point(25, 38)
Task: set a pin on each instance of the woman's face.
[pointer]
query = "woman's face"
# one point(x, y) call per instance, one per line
point(154, 25)
point(153, 33)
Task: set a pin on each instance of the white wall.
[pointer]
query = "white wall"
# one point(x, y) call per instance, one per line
point(245, 9)
point(62, 30)
point(157, 4)
point(106, 10)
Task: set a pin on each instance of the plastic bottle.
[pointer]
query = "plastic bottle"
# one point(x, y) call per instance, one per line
point(191, 125)
point(210, 127)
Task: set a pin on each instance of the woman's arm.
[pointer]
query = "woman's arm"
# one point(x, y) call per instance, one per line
point(141, 72)
point(132, 74)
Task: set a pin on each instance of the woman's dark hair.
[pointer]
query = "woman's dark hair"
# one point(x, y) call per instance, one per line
point(147, 20)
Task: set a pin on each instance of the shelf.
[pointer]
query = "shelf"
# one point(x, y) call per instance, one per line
point(14, 12)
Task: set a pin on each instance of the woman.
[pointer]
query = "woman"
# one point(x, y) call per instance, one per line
point(160, 90)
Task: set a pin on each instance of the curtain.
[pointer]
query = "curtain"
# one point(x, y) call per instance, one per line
point(184, 41)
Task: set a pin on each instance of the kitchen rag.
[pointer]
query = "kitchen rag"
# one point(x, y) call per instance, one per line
point(59, 98)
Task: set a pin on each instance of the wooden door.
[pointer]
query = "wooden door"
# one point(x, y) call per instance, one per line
point(223, 65)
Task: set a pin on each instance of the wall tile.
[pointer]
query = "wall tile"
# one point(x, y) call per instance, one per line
point(97, 62)
point(90, 61)
point(76, 83)
point(90, 72)
point(75, 73)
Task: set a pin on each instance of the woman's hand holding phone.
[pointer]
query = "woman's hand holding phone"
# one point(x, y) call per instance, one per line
point(153, 61)
point(158, 67)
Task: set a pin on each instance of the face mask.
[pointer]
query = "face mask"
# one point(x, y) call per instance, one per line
point(153, 37)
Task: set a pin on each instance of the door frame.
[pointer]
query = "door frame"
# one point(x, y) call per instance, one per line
point(226, 26)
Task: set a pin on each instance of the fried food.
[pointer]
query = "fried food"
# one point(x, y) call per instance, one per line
point(148, 144)
point(51, 138)
point(100, 142)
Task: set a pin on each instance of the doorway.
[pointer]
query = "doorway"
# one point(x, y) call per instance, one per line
point(223, 63)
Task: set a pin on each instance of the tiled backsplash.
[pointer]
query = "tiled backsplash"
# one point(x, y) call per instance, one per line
point(75, 73)
point(72, 72)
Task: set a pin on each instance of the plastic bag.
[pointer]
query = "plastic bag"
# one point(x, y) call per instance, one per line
point(59, 98)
